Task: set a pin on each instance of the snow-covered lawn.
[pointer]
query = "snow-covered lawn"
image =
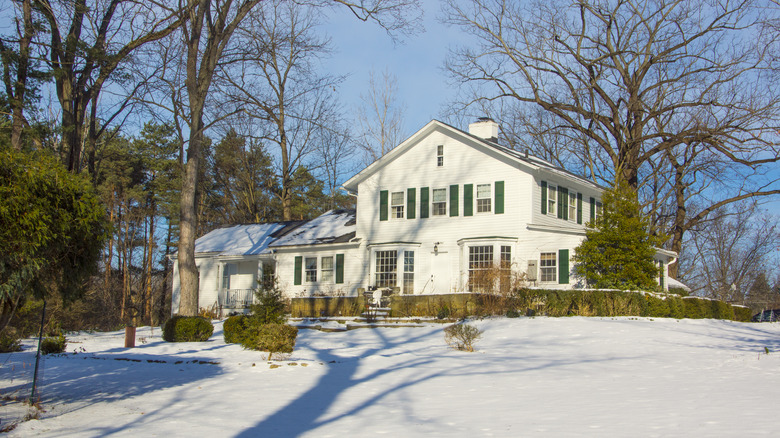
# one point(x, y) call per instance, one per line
point(529, 377)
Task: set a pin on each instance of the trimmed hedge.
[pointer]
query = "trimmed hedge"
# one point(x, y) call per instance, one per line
point(575, 302)
point(314, 307)
point(187, 329)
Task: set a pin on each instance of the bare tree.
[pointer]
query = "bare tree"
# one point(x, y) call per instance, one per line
point(380, 116)
point(726, 255)
point(635, 87)
point(208, 32)
point(88, 44)
point(276, 86)
point(16, 67)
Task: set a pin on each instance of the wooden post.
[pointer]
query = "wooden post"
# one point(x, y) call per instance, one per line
point(129, 337)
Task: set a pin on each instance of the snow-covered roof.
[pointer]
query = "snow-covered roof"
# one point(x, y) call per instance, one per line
point(250, 239)
point(672, 283)
point(335, 226)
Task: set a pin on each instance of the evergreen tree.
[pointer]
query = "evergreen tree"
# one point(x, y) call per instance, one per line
point(52, 230)
point(617, 252)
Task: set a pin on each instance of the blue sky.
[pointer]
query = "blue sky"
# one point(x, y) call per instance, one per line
point(416, 62)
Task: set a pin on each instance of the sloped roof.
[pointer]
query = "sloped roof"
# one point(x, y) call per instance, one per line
point(252, 239)
point(335, 226)
point(527, 159)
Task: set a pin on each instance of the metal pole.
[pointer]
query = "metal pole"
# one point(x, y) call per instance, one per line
point(38, 355)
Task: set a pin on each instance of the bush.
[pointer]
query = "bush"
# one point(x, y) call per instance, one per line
point(462, 336)
point(187, 329)
point(743, 314)
point(273, 338)
point(53, 345)
point(512, 313)
point(9, 343)
point(270, 307)
point(236, 328)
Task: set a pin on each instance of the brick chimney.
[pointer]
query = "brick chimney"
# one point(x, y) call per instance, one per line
point(485, 128)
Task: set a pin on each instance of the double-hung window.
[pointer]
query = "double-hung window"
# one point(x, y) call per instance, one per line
point(397, 205)
point(573, 206)
point(483, 198)
point(386, 268)
point(552, 195)
point(326, 266)
point(440, 156)
point(439, 207)
point(547, 267)
point(310, 274)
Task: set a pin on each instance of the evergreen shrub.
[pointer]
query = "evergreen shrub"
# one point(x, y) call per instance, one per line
point(9, 343)
point(53, 345)
point(236, 329)
point(273, 338)
point(743, 314)
point(657, 307)
point(187, 329)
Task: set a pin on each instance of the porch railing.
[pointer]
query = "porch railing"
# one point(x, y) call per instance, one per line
point(236, 298)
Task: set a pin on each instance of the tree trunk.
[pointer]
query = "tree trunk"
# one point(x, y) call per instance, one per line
point(188, 226)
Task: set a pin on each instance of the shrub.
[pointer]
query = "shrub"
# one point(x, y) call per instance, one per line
point(742, 313)
point(9, 343)
point(273, 338)
point(512, 313)
point(462, 336)
point(187, 329)
point(656, 307)
point(236, 328)
point(270, 307)
point(53, 345)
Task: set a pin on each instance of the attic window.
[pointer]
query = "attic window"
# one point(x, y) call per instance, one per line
point(440, 156)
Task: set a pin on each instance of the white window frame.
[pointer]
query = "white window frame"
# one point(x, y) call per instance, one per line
point(408, 281)
point(385, 259)
point(598, 211)
point(573, 206)
point(478, 261)
point(434, 202)
point(486, 204)
point(397, 208)
point(548, 267)
point(440, 155)
point(309, 273)
point(326, 272)
point(552, 199)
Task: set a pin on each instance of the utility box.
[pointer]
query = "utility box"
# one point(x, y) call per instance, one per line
point(531, 272)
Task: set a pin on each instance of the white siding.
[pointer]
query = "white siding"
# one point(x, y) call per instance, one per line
point(353, 271)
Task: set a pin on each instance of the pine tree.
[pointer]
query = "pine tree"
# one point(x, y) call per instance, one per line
point(617, 252)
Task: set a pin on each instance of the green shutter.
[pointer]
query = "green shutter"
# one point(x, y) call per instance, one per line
point(468, 200)
point(499, 197)
point(579, 208)
point(454, 200)
point(544, 197)
point(383, 205)
point(662, 273)
point(339, 268)
point(298, 269)
point(411, 201)
point(563, 266)
point(563, 203)
point(592, 210)
point(424, 203)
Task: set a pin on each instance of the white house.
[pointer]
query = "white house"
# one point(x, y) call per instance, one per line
point(433, 215)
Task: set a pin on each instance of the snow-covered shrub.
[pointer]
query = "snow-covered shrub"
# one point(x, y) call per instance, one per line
point(53, 345)
point(273, 338)
point(187, 329)
point(462, 336)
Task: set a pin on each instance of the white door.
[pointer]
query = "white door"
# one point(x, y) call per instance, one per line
point(440, 273)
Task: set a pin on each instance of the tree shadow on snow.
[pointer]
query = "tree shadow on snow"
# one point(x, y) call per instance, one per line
point(309, 411)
